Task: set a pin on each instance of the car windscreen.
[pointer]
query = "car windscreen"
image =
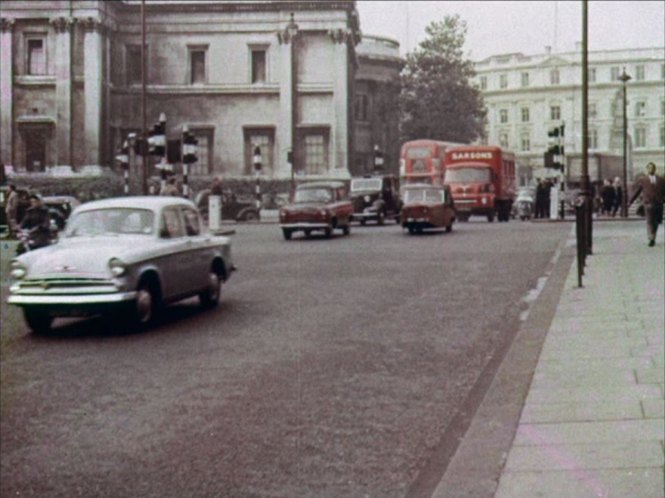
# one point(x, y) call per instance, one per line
point(313, 195)
point(468, 175)
point(429, 195)
point(111, 221)
point(365, 184)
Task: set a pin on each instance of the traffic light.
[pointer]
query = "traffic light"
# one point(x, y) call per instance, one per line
point(378, 158)
point(157, 137)
point(554, 157)
point(189, 147)
point(123, 156)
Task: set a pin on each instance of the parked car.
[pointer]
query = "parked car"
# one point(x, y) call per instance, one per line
point(427, 206)
point(323, 206)
point(375, 198)
point(232, 207)
point(60, 207)
point(124, 257)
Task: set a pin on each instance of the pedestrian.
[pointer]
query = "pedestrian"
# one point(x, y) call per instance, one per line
point(216, 186)
point(607, 198)
point(547, 198)
point(652, 188)
point(11, 210)
point(37, 222)
point(540, 199)
point(170, 188)
point(618, 195)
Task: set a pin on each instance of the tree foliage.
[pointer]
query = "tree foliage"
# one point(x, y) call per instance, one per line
point(437, 100)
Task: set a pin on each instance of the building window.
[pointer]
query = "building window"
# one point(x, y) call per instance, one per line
point(503, 81)
point(503, 140)
point(592, 75)
point(132, 64)
point(555, 113)
point(264, 139)
point(640, 109)
point(36, 56)
point(525, 115)
point(525, 79)
point(361, 107)
point(314, 152)
point(639, 73)
point(593, 139)
point(503, 116)
point(592, 110)
point(554, 76)
point(258, 65)
point(197, 65)
point(614, 73)
point(526, 143)
point(483, 82)
point(640, 137)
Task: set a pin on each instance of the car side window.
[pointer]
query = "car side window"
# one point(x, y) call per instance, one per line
point(171, 224)
point(192, 226)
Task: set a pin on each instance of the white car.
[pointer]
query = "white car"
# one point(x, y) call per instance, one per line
point(125, 257)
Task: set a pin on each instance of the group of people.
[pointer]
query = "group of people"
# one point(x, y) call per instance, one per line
point(543, 198)
point(35, 221)
point(611, 197)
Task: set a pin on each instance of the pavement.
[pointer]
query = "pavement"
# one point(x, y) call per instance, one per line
point(592, 418)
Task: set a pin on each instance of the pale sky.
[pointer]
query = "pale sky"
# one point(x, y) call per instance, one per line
point(499, 27)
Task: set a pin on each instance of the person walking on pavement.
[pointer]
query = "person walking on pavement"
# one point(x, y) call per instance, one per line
point(607, 196)
point(652, 188)
point(618, 195)
point(170, 188)
point(540, 199)
point(11, 210)
point(216, 186)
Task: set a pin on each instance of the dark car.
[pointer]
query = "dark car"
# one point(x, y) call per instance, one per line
point(323, 206)
point(375, 198)
point(59, 208)
point(233, 208)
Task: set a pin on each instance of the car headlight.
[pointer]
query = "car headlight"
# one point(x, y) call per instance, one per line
point(18, 270)
point(117, 267)
point(367, 198)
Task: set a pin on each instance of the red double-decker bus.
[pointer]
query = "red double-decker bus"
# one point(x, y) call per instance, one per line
point(422, 161)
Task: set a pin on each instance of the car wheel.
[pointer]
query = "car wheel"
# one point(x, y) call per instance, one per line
point(380, 219)
point(449, 228)
point(145, 305)
point(347, 229)
point(412, 230)
point(211, 296)
point(363, 221)
point(308, 232)
point(490, 217)
point(38, 321)
point(327, 232)
point(251, 216)
point(287, 233)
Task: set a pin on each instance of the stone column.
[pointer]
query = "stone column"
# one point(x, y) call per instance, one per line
point(63, 89)
point(93, 88)
point(339, 139)
point(6, 91)
point(286, 102)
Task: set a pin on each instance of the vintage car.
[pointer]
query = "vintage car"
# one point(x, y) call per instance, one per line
point(375, 198)
point(233, 208)
point(59, 208)
point(124, 257)
point(427, 206)
point(322, 205)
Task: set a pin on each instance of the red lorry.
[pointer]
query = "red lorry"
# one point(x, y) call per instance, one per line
point(482, 181)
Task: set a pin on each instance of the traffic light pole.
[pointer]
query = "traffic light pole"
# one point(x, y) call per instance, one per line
point(256, 159)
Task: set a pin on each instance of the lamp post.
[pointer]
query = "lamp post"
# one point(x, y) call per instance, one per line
point(624, 78)
point(290, 37)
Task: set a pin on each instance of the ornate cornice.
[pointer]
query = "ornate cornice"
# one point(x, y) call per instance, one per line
point(341, 35)
point(6, 24)
point(92, 25)
point(62, 24)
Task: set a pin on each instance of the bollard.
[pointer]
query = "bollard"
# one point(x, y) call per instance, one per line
point(214, 212)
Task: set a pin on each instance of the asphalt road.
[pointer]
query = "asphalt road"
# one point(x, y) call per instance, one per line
point(331, 368)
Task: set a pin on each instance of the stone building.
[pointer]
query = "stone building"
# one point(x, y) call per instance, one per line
point(527, 95)
point(239, 74)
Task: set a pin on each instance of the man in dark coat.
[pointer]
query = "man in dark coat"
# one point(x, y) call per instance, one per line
point(37, 222)
point(652, 188)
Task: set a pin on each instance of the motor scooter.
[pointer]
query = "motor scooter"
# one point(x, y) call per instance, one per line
point(524, 208)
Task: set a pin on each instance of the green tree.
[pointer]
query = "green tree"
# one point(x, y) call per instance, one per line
point(437, 100)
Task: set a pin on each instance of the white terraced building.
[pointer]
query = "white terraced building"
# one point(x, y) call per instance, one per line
point(527, 95)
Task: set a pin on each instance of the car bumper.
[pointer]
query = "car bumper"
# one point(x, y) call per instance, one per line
point(366, 215)
point(70, 300)
point(304, 225)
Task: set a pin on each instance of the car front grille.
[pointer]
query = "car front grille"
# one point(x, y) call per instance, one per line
point(63, 285)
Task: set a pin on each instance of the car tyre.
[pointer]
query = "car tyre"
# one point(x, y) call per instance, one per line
point(380, 219)
point(287, 233)
point(251, 216)
point(145, 306)
point(449, 228)
point(347, 229)
point(38, 321)
point(308, 233)
point(327, 232)
point(363, 221)
point(412, 230)
point(210, 297)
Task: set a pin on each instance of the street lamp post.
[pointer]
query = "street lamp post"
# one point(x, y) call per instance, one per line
point(624, 78)
point(291, 33)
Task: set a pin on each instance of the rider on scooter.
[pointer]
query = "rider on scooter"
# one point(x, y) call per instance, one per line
point(36, 221)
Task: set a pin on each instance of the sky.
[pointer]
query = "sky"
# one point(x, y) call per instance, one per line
point(500, 27)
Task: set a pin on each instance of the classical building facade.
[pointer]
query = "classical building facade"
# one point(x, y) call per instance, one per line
point(239, 74)
point(527, 95)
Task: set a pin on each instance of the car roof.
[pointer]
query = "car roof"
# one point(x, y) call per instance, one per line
point(154, 203)
point(422, 185)
point(320, 184)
